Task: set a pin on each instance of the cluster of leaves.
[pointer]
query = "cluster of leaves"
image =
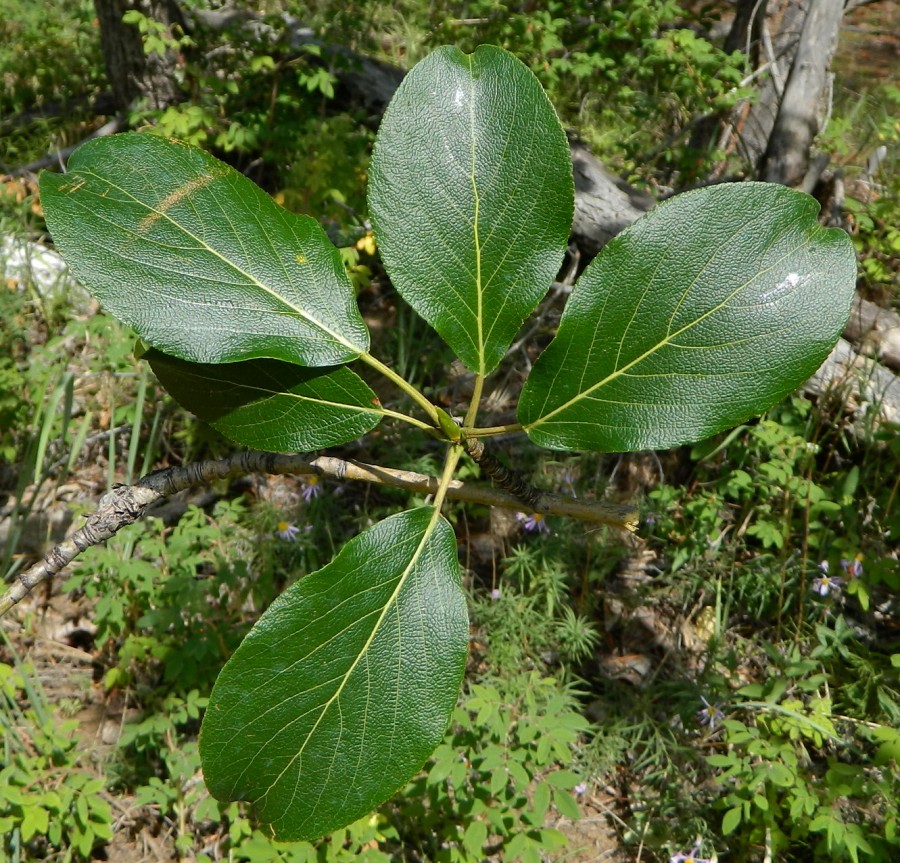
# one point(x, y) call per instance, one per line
point(49, 802)
point(45, 49)
point(497, 774)
point(773, 488)
point(799, 772)
point(805, 760)
point(489, 785)
point(257, 96)
point(174, 741)
point(251, 319)
point(153, 607)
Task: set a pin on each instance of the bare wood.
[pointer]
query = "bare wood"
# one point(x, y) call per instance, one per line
point(799, 114)
point(126, 504)
point(876, 331)
point(869, 391)
point(604, 204)
point(768, 32)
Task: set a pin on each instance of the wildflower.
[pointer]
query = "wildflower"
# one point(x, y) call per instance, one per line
point(580, 789)
point(495, 593)
point(287, 531)
point(826, 584)
point(853, 568)
point(709, 714)
point(534, 522)
point(690, 857)
point(311, 487)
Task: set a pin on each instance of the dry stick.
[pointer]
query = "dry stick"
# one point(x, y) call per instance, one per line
point(125, 504)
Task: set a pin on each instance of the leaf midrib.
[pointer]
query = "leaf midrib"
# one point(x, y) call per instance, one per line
point(476, 238)
point(388, 605)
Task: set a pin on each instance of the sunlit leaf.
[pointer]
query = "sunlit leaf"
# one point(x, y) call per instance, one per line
point(471, 195)
point(272, 405)
point(201, 262)
point(346, 684)
point(705, 312)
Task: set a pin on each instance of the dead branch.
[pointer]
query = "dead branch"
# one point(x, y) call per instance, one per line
point(126, 504)
point(60, 156)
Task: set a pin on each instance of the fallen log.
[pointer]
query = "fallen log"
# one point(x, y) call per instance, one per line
point(868, 392)
point(876, 331)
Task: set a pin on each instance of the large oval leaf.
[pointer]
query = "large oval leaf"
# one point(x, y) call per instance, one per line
point(346, 684)
point(201, 262)
point(272, 405)
point(470, 191)
point(703, 313)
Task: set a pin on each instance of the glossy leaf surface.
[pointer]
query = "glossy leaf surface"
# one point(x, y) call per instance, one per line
point(471, 196)
point(346, 684)
point(201, 262)
point(272, 405)
point(703, 313)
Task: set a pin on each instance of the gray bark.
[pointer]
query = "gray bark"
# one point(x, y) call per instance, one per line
point(876, 331)
point(868, 391)
point(799, 114)
point(604, 204)
point(770, 37)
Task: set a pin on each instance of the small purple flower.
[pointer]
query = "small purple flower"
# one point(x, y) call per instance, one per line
point(709, 714)
point(534, 523)
point(853, 568)
point(690, 857)
point(826, 584)
point(567, 480)
point(287, 531)
point(311, 487)
point(495, 593)
point(580, 789)
point(823, 565)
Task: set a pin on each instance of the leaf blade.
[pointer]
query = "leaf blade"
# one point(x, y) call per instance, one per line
point(471, 197)
point(374, 696)
point(272, 405)
point(701, 314)
point(197, 259)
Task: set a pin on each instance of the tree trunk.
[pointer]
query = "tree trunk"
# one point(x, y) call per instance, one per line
point(799, 112)
point(136, 77)
point(776, 34)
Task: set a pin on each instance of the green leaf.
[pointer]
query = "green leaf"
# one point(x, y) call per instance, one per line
point(475, 838)
point(471, 196)
point(566, 804)
point(202, 263)
point(272, 405)
point(731, 820)
point(346, 684)
point(703, 313)
point(35, 820)
point(540, 802)
point(779, 775)
point(562, 779)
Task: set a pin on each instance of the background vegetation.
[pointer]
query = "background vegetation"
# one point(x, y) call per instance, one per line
point(728, 682)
